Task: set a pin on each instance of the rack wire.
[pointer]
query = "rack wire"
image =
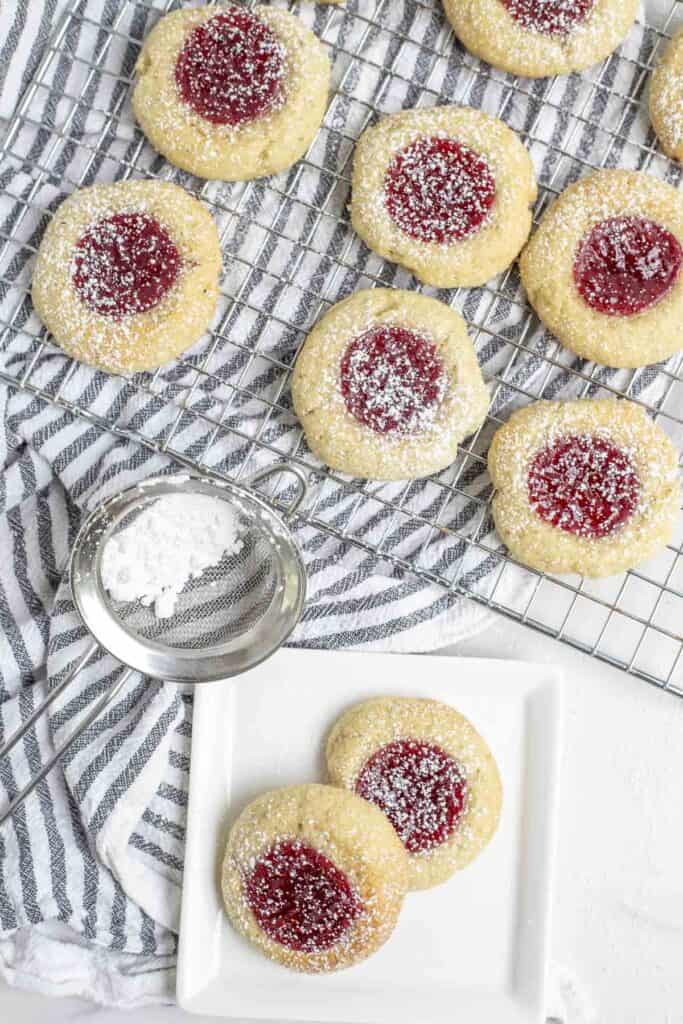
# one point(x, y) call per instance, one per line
point(224, 408)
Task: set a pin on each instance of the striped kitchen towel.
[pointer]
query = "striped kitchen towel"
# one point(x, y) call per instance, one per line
point(90, 868)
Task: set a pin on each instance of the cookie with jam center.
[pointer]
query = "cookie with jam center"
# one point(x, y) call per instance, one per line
point(126, 276)
point(539, 38)
point(425, 766)
point(231, 93)
point(584, 486)
point(314, 877)
point(445, 192)
point(387, 385)
point(603, 269)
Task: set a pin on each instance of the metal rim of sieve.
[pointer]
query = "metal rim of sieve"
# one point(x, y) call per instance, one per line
point(176, 664)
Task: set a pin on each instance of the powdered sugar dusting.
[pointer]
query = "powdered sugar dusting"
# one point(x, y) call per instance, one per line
point(568, 283)
point(314, 876)
point(457, 394)
point(639, 496)
point(231, 69)
point(537, 38)
point(421, 789)
point(437, 190)
point(584, 484)
point(443, 191)
point(124, 264)
point(128, 299)
point(670, 109)
point(392, 380)
point(666, 96)
point(549, 17)
point(300, 898)
point(232, 107)
point(425, 766)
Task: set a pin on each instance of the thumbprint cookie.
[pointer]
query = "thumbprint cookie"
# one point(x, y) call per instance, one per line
point(666, 98)
point(584, 486)
point(231, 92)
point(126, 276)
point(387, 384)
point(428, 769)
point(314, 877)
point(538, 38)
point(603, 270)
point(445, 192)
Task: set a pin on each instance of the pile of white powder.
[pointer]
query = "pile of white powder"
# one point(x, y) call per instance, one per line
point(171, 542)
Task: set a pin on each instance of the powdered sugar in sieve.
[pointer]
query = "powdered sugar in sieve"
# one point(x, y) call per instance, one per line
point(168, 544)
point(182, 578)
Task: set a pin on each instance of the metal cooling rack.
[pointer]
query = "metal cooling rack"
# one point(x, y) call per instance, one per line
point(290, 253)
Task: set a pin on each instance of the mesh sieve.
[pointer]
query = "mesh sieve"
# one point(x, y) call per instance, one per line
point(226, 619)
point(225, 601)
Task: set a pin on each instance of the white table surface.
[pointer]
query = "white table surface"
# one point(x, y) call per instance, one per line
point(618, 920)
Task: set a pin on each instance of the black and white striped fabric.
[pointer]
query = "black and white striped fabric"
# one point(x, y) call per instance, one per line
point(90, 868)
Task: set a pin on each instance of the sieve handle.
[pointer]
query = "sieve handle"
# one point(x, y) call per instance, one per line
point(100, 705)
point(265, 474)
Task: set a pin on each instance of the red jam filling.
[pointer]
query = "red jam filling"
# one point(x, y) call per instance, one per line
point(124, 264)
point(420, 788)
point(300, 898)
point(438, 190)
point(626, 264)
point(584, 485)
point(550, 17)
point(231, 68)
point(392, 380)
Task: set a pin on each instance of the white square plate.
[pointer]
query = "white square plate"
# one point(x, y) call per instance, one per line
point(473, 950)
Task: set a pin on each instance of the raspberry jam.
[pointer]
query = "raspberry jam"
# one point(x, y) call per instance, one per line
point(584, 485)
point(300, 898)
point(420, 788)
point(549, 17)
point(231, 68)
point(124, 264)
point(392, 380)
point(626, 264)
point(438, 190)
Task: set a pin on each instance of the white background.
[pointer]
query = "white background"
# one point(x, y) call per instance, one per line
point(618, 919)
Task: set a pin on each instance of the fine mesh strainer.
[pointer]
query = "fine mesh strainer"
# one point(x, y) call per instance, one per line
point(226, 620)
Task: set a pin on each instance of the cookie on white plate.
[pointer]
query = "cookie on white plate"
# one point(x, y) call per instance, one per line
point(428, 769)
point(314, 877)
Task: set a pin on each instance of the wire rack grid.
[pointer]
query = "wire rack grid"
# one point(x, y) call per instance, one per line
point(224, 408)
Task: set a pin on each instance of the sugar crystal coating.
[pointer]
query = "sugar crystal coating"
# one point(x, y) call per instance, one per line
point(124, 264)
point(584, 484)
point(300, 898)
point(392, 380)
point(231, 69)
point(421, 789)
point(549, 17)
point(438, 190)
